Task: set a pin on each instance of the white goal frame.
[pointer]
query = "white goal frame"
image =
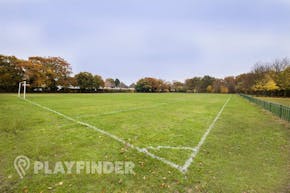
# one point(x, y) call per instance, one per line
point(24, 89)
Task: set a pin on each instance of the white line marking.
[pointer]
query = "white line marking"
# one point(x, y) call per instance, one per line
point(197, 148)
point(170, 147)
point(182, 169)
point(174, 165)
point(141, 150)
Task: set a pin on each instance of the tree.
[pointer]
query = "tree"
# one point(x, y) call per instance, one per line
point(217, 85)
point(281, 74)
point(109, 82)
point(198, 84)
point(147, 84)
point(209, 89)
point(193, 84)
point(284, 78)
point(162, 86)
point(33, 73)
point(245, 82)
point(260, 69)
point(271, 85)
point(72, 81)
point(224, 89)
point(230, 83)
point(280, 65)
point(50, 72)
point(98, 82)
point(265, 84)
point(178, 86)
point(85, 81)
point(117, 82)
point(10, 73)
point(205, 82)
point(55, 70)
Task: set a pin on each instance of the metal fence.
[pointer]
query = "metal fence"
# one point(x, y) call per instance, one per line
point(280, 110)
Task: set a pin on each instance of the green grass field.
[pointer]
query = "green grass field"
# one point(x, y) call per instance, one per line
point(247, 149)
point(282, 101)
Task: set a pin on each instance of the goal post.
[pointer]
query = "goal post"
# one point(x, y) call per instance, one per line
point(23, 83)
point(19, 89)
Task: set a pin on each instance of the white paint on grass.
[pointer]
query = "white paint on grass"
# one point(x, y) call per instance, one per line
point(141, 150)
point(197, 148)
point(182, 169)
point(170, 163)
point(170, 147)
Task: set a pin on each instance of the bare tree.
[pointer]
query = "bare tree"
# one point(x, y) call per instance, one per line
point(280, 65)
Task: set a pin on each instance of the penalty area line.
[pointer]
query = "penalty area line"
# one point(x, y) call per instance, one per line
point(170, 147)
point(202, 140)
point(141, 150)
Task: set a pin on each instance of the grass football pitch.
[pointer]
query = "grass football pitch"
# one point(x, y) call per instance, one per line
point(178, 142)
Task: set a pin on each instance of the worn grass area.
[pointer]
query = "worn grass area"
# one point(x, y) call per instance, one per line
point(282, 101)
point(247, 150)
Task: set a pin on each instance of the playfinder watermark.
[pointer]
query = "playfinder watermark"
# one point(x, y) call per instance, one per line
point(23, 165)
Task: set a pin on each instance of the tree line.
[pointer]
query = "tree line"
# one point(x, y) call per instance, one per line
point(52, 74)
point(49, 74)
point(266, 78)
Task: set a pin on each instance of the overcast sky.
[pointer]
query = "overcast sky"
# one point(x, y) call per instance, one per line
point(130, 39)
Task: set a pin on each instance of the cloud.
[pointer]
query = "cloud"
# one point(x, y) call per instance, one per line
point(130, 39)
